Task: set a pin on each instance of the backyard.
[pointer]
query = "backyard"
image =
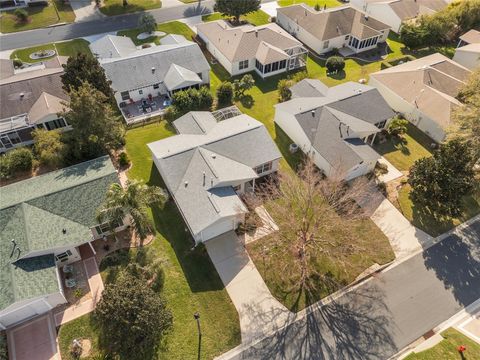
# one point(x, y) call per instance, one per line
point(448, 348)
point(38, 16)
point(66, 48)
point(255, 18)
point(191, 281)
point(115, 7)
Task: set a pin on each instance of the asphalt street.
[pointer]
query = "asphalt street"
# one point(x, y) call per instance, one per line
point(395, 308)
point(108, 24)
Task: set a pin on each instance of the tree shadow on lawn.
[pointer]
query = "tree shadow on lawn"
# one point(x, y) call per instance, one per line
point(195, 262)
point(356, 326)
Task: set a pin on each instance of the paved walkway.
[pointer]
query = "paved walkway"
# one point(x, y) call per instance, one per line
point(96, 288)
point(34, 340)
point(85, 10)
point(259, 312)
point(270, 8)
point(392, 172)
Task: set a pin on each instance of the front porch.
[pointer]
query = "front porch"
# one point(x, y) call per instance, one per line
point(135, 111)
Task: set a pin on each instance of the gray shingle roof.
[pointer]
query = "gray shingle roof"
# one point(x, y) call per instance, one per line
point(309, 88)
point(225, 152)
point(35, 211)
point(135, 70)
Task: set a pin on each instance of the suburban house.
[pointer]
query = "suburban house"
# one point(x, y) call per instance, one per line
point(395, 12)
point(44, 221)
point(335, 125)
point(7, 4)
point(30, 98)
point(424, 91)
point(267, 49)
point(344, 28)
point(215, 158)
point(144, 78)
point(467, 52)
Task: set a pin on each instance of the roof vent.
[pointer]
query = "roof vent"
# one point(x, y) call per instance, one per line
point(313, 113)
point(338, 29)
point(22, 95)
point(186, 183)
point(64, 231)
point(204, 178)
point(214, 156)
point(153, 70)
point(366, 17)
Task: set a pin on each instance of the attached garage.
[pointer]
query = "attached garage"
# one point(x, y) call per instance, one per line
point(24, 312)
point(218, 228)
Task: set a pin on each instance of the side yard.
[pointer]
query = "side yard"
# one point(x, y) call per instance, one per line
point(191, 281)
point(39, 16)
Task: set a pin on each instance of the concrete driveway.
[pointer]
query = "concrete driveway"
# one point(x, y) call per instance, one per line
point(258, 310)
point(34, 340)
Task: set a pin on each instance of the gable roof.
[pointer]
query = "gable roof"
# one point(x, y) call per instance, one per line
point(331, 118)
point(19, 92)
point(334, 22)
point(245, 42)
point(408, 9)
point(34, 214)
point(45, 105)
point(430, 83)
point(471, 37)
point(112, 46)
point(198, 164)
point(178, 77)
point(144, 67)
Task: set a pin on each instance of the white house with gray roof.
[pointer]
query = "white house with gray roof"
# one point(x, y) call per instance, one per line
point(213, 160)
point(335, 125)
point(144, 79)
point(344, 28)
point(266, 49)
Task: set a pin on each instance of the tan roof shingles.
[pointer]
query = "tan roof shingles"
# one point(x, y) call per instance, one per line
point(333, 22)
point(471, 37)
point(240, 43)
point(46, 104)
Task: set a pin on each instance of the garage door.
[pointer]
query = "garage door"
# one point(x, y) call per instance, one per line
point(217, 229)
point(24, 313)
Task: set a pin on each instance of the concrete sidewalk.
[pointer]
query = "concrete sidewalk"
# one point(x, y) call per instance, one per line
point(85, 10)
point(259, 312)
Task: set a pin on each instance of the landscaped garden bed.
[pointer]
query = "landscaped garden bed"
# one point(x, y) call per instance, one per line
point(115, 7)
point(66, 48)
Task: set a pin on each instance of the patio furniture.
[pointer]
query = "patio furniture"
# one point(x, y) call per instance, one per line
point(167, 102)
point(70, 283)
point(67, 269)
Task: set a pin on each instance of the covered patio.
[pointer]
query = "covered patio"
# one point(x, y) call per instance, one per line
point(135, 111)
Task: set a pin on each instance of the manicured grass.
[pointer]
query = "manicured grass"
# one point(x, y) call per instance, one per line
point(273, 262)
point(191, 281)
point(66, 48)
point(81, 328)
point(447, 349)
point(256, 18)
point(172, 27)
point(39, 16)
point(115, 7)
point(429, 222)
point(403, 152)
point(312, 3)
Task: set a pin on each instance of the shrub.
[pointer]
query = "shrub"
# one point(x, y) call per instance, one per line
point(284, 92)
point(147, 23)
point(17, 63)
point(299, 76)
point(21, 15)
point(49, 148)
point(397, 126)
point(225, 93)
point(273, 19)
point(242, 85)
point(317, 7)
point(381, 168)
point(335, 64)
point(20, 159)
point(123, 159)
point(192, 99)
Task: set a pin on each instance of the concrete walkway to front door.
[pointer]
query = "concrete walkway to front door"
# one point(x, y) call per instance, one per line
point(260, 313)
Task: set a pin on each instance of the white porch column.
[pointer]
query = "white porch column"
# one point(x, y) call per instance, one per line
point(373, 139)
point(91, 247)
point(254, 185)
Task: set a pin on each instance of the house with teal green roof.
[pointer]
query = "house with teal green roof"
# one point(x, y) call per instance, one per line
point(43, 221)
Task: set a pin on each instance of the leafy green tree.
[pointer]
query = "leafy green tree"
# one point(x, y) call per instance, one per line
point(397, 126)
point(16, 161)
point(192, 99)
point(225, 93)
point(134, 201)
point(49, 147)
point(21, 15)
point(132, 316)
point(284, 92)
point(96, 127)
point(439, 182)
point(85, 68)
point(236, 8)
point(335, 64)
point(147, 23)
point(244, 84)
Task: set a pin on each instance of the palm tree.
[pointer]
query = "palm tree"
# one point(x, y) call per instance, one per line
point(133, 200)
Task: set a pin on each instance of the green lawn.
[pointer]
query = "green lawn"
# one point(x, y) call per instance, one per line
point(312, 3)
point(256, 18)
point(172, 27)
point(403, 152)
point(434, 225)
point(115, 7)
point(447, 348)
point(191, 281)
point(39, 16)
point(272, 263)
point(66, 48)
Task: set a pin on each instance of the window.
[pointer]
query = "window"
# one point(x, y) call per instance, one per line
point(243, 64)
point(263, 168)
point(325, 44)
point(63, 256)
point(381, 124)
point(347, 37)
point(275, 66)
point(267, 68)
point(55, 124)
point(105, 227)
point(125, 95)
point(14, 138)
point(259, 66)
point(140, 92)
point(155, 86)
point(283, 64)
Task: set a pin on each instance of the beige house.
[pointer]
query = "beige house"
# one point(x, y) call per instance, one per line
point(266, 49)
point(467, 52)
point(423, 91)
point(343, 28)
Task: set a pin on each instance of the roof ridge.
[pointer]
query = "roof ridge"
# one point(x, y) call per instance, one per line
point(187, 167)
point(210, 166)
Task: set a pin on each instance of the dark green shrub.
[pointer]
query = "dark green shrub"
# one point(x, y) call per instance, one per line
point(335, 64)
point(20, 159)
point(17, 63)
point(123, 159)
point(225, 93)
point(21, 15)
